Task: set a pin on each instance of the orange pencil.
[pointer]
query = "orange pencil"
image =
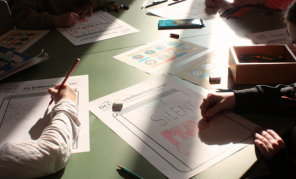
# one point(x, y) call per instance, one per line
point(66, 78)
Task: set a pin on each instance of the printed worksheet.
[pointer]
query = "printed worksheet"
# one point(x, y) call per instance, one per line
point(198, 71)
point(272, 37)
point(24, 111)
point(20, 40)
point(161, 120)
point(160, 54)
point(100, 26)
point(190, 9)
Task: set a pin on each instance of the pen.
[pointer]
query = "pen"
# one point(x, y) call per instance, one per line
point(223, 90)
point(145, 2)
point(66, 78)
point(175, 2)
point(129, 172)
point(155, 3)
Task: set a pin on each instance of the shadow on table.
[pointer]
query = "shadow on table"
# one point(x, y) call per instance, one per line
point(56, 175)
point(36, 130)
point(124, 175)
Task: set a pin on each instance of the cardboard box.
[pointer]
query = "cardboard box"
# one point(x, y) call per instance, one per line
point(262, 73)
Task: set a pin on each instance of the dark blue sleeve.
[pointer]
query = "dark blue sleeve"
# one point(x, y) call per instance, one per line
point(265, 99)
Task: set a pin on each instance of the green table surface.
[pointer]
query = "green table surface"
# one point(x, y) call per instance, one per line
point(108, 75)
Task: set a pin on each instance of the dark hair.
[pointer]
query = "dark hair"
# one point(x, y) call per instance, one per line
point(290, 14)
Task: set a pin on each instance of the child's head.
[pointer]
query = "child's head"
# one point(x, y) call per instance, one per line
point(290, 19)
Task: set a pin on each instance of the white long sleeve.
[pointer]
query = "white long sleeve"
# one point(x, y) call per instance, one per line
point(49, 153)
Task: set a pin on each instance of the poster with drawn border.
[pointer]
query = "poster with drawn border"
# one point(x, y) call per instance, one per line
point(24, 110)
point(160, 54)
point(161, 120)
point(20, 40)
point(100, 26)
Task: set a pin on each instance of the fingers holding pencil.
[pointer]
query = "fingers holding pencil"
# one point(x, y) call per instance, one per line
point(63, 83)
point(62, 92)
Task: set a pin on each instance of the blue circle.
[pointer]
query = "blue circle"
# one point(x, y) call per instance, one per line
point(161, 48)
point(162, 57)
point(172, 43)
point(185, 48)
point(138, 57)
point(196, 72)
point(150, 52)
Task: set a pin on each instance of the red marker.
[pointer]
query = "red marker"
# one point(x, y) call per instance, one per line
point(66, 78)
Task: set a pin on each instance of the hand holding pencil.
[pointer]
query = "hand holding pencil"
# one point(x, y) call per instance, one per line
point(63, 83)
point(215, 103)
point(62, 92)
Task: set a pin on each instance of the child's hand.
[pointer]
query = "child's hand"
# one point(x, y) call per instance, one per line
point(64, 92)
point(86, 8)
point(211, 3)
point(268, 142)
point(215, 103)
point(66, 20)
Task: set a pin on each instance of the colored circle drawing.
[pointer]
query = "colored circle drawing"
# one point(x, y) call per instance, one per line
point(196, 72)
point(10, 38)
point(161, 47)
point(138, 57)
point(17, 34)
point(172, 43)
point(24, 39)
point(185, 48)
point(207, 66)
point(162, 57)
point(17, 44)
point(174, 52)
point(149, 52)
point(30, 34)
point(150, 62)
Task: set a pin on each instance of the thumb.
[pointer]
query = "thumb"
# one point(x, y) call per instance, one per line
point(215, 109)
point(52, 91)
point(224, 104)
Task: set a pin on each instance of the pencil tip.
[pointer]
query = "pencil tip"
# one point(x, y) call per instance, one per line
point(119, 166)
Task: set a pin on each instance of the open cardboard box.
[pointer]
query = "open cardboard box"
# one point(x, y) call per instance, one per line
point(262, 73)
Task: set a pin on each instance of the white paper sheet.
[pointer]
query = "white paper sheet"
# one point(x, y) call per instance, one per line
point(160, 54)
point(199, 70)
point(189, 9)
point(161, 120)
point(272, 37)
point(23, 110)
point(99, 26)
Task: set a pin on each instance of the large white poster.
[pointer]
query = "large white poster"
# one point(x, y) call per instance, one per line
point(161, 120)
